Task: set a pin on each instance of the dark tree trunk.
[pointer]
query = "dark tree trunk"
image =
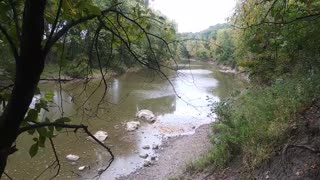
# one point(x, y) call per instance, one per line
point(29, 66)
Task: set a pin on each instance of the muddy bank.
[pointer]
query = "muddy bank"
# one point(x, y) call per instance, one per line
point(174, 154)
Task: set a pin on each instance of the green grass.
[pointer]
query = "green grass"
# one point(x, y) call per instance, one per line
point(256, 121)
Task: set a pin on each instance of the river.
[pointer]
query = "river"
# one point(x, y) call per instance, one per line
point(180, 106)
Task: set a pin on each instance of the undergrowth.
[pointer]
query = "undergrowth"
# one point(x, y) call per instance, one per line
point(251, 124)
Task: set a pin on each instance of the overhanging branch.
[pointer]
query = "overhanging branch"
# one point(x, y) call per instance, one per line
point(76, 127)
point(71, 24)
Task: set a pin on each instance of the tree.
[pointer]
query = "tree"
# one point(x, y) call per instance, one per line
point(31, 28)
point(275, 38)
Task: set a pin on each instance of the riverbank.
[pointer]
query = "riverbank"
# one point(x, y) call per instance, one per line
point(260, 133)
point(296, 158)
point(51, 74)
point(228, 69)
point(175, 154)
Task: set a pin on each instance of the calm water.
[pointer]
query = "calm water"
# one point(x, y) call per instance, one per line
point(179, 111)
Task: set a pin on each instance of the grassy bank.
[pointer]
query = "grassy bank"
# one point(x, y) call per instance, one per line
point(256, 121)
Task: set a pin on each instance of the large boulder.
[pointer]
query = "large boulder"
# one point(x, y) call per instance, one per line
point(132, 125)
point(146, 115)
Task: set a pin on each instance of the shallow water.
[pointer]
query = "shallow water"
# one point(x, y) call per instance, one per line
point(179, 109)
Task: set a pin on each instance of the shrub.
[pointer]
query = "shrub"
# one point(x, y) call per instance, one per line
point(256, 121)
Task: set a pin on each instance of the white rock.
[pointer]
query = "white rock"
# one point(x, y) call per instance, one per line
point(81, 168)
point(146, 147)
point(72, 157)
point(101, 135)
point(146, 115)
point(144, 156)
point(132, 125)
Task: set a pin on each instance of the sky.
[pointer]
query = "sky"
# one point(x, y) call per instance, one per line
point(195, 15)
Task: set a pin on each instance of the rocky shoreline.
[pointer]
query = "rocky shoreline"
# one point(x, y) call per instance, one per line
point(175, 153)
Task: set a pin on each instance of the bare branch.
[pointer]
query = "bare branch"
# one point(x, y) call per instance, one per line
point(302, 18)
point(71, 24)
point(15, 18)
point(6, 87)
point(75, 128)
point(10, 40)
point(57, 159)
point(54, 26)
point(9, 177)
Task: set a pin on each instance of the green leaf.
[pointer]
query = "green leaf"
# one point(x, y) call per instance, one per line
point(49, 95)
point(42, 141)
point(32, 115)
point(63, 120)
point(42, 131)
point(94, 10)
point(33, 150)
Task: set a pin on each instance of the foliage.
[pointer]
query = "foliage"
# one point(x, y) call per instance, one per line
point(256, 121)
point(76, 35)
point(275, 38)
point(202, 45)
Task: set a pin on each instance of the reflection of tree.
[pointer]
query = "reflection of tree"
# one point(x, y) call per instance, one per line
point(228, 83)
point(160, 106)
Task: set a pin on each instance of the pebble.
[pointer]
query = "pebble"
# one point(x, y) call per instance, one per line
point(155, 146)
point(81, 168)
point(143, 155)
point(146, 147)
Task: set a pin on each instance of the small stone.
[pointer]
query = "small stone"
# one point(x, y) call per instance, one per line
point(73, 163)
point(81, 168)
point(72, 157)
point(147, 163)
point(144, 156)
point(100, 170)
point(146, 147)
point(146, 115)
point(155, 146)
point(132, 125)
point(153, 158)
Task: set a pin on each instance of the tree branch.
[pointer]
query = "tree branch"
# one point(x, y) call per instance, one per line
point(10, 40)
point(71, 24)
point(15, 18)
point(316, 15)
point(57, 159)
point(54, 26)
point(76, 127)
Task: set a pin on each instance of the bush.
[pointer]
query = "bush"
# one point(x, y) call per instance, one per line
point(256, 121)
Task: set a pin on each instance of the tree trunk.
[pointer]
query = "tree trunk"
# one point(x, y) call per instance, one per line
point(29, 66)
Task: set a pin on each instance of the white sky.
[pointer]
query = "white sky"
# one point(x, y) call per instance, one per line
point(195, 15)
